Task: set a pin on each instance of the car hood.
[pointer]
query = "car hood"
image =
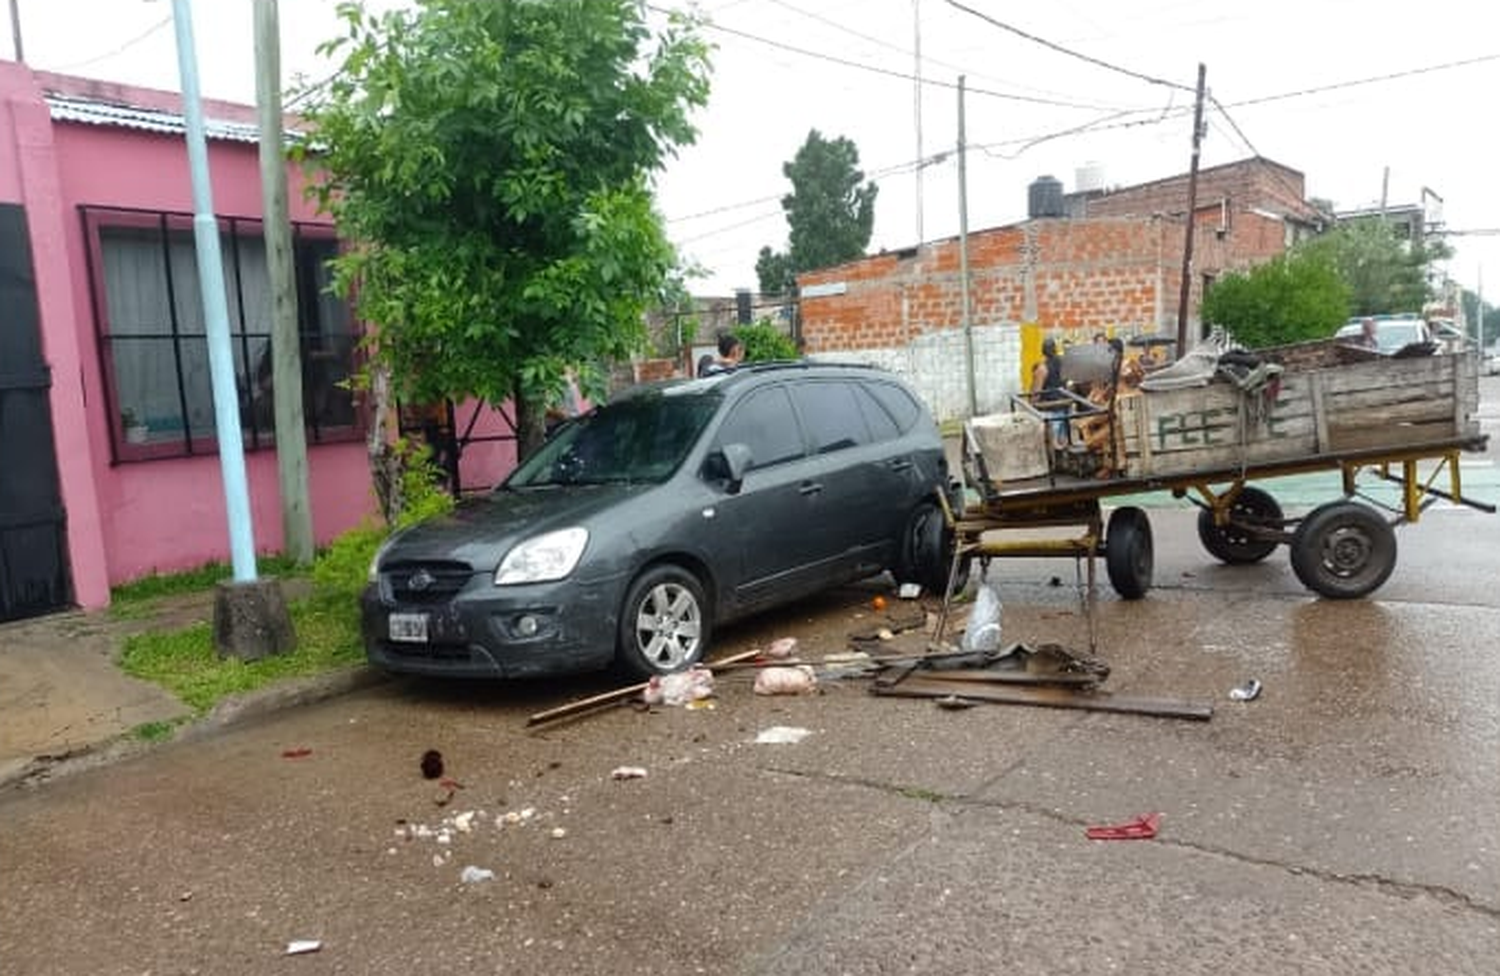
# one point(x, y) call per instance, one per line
point(481, 531)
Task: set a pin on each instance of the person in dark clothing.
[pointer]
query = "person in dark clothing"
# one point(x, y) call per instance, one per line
point(1046, 380)
point(731, 351)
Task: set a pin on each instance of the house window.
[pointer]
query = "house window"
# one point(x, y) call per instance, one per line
point(149, 313)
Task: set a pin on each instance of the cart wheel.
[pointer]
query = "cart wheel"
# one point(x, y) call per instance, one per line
point(927, 552)
point(1232, 543)
point(1128, 552)
point(1343, 550)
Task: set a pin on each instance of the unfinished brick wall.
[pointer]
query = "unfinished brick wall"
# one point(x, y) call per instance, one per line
point(904, 310)
point(1246, 184)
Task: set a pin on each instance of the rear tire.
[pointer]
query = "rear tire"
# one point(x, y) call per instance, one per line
point(1343, 550)
point(927, 552)
point(1233, 543)
point(664, 622)
point(1129, 554)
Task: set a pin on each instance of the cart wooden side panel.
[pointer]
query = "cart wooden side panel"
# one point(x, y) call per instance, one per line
point(1375, 405)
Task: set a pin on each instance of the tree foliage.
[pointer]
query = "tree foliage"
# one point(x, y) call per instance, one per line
point(1292, 297)
point(1385, 275)
point(490, 165)
point(763, 342)
point(830, 213)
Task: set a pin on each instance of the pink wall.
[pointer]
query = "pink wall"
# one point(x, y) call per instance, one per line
point(128, 519)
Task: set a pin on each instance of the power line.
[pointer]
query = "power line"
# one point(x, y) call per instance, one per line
point(959, 69)
point(117, 50)
point(1152, 79)
point(1318, 90)
point(889, 72)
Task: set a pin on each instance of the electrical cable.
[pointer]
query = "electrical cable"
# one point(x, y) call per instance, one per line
point(958, 69)
point(118, 50)
point(1335, 86)
point(889, 72)
point(1051, 45)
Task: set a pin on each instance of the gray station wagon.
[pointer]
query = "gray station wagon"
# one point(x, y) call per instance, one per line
point(639, 527)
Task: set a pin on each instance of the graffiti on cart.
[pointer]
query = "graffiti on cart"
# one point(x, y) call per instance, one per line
point(1213, 426)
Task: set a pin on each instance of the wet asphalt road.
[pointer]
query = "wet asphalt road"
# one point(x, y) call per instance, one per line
point(1344, 822)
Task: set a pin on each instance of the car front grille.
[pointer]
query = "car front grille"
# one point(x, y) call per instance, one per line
point(431, 582)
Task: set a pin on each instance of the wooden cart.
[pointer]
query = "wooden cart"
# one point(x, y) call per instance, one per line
point(1404, 420)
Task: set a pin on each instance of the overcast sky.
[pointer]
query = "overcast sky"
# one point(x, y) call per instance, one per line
point(1434, 129)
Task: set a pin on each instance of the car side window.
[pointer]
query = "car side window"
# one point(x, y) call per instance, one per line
point(764, 422)
point(882, 425)
point(831, 415)
point(903, 410)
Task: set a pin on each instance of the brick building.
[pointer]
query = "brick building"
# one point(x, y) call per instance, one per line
point(1108, 260)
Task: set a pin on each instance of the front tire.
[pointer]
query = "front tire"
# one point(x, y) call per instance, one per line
point(1234, 543)
point(664, 623)
point(1343, 550)
point(1129, 554)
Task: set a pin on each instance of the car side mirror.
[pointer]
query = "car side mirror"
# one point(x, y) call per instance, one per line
point(730, 464)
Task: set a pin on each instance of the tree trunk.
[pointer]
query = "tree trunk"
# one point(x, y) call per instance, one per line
point(531, 426)
point(385, 466)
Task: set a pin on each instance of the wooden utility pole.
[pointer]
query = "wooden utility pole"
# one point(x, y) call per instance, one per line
point(286, 352)
point(1192, 211)
point(963, 254)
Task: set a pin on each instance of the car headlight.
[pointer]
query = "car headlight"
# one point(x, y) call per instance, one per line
point(373, 575)
point(543, 559)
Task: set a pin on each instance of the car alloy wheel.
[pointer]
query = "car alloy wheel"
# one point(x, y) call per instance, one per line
point(665, 625)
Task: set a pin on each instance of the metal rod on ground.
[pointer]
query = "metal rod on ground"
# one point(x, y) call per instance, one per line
point(619, 694)
point(1192, 207)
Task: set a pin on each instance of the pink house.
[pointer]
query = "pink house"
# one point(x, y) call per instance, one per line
point(108, 468)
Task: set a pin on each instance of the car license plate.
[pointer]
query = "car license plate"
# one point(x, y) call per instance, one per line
point(410, 628)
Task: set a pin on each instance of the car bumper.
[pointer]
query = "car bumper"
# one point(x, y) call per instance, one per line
point(482, 631)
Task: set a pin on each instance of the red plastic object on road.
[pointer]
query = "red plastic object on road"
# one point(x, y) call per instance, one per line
point(301, 752)
point(1141, 828)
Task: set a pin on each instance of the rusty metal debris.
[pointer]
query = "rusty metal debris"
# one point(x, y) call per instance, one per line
point(1049, 676)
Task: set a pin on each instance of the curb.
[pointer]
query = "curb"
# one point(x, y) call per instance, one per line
point(232, 711)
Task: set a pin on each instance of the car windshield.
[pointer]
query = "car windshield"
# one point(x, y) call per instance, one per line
point(641, 439)
point(1391, 335)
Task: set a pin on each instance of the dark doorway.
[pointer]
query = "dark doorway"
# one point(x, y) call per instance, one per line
point(34, 576)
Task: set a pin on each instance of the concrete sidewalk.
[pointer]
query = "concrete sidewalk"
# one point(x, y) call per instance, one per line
point(62, 694)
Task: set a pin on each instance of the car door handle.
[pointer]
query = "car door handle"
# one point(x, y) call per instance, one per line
point(809, 488)
point(900, 464)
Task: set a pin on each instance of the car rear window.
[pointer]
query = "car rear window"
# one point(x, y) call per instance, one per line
point(831, 416)
point(897, 402)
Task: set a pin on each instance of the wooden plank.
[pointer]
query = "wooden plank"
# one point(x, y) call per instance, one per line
point(1392, 437)
point(1096, 701)
point(1320, 413)
point(1354, 401)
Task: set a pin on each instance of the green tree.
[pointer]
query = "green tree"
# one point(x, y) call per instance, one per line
point(830, 213)
point(1491, 318)
point(1292, 297)
point(763, 342)
point(490, 165)
point(1385, 275)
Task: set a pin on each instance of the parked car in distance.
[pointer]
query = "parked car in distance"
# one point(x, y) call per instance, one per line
point(1393, 333)
point(1492, 364)
point(638, 528)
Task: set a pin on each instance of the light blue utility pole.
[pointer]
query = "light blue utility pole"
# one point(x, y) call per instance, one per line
point(215, 307)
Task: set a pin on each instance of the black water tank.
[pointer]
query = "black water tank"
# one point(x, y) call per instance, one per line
point(1045, 198)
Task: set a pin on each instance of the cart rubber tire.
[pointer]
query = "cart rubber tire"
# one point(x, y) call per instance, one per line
point(1128, 552)
point(665, 622)
point(1231, 544)
point(927, 552)
point(1343, 550)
